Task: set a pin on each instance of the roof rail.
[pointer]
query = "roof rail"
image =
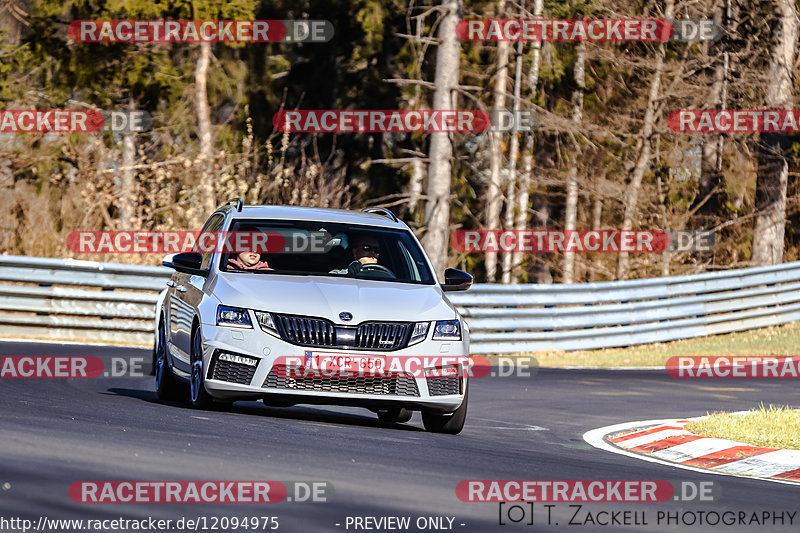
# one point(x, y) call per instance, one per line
point(381, 211)
point(237, 201)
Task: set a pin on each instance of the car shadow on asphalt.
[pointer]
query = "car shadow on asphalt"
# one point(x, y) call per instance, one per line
point(310, 413)
point(252, 408)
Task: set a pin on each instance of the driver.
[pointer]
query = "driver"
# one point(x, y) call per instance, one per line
point(365, 251)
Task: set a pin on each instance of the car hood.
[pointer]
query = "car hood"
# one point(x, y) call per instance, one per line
point(326, 297)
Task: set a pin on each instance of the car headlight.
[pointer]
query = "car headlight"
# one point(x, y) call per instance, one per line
point(447, 330)
point(266, 322)
point(419, 333)
point(233, 316)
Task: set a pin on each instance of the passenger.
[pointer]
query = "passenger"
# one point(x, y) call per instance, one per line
point(248, 261)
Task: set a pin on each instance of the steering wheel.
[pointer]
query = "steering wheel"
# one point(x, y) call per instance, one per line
point(378, 268)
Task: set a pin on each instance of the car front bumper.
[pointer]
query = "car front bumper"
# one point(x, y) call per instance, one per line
point(229, 381)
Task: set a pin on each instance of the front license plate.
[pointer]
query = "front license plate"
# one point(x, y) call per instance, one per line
point(356, 364)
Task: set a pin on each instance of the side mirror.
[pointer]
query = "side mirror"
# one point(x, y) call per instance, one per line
point(187, 262)
point(456, 280)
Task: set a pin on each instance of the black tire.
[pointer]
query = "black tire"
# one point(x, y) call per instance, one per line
point(198, 396)
point(167, 387)
point(451, 424)
point(397, 415)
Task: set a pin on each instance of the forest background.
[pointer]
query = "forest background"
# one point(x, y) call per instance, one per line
point(602, 155)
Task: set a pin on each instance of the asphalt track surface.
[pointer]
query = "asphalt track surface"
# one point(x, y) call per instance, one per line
point(54, 432)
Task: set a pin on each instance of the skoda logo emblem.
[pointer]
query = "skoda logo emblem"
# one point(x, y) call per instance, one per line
point(344, 315)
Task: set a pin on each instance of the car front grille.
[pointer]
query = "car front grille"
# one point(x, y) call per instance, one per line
point(401, 386)
point(231, 372)
point(321, 333)
point(441, 386)
point(383, 335)
point(305, 331)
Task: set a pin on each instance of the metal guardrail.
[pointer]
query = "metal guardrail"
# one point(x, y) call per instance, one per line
point(530, 318)
point(109, 302)
point(85, 301)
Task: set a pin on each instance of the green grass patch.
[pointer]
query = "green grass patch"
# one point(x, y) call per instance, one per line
point(775, 341)
point(773, 427)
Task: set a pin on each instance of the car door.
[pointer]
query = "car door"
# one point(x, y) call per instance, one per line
point(184, 294)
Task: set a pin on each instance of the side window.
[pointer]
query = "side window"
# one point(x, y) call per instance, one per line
point(408, 262)
point(214, 224)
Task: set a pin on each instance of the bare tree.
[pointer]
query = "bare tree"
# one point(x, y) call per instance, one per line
point(494, 198)
point(521, 219)
point(541, 216)
point(571, 208)
point(128, 199)
point(711, 180)
point(513, 156)
point(437, 206)
point(773, 168)
point(206, 156)
point(415, 183)
point(127, 185)
point(643, 161)
point(597, 220)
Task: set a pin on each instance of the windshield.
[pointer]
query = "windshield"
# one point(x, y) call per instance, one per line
point(327, 249)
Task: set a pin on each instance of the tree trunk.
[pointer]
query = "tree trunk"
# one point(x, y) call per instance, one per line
point(127, 183)
point(710, 184)
point(541, 207)
point(513, 156)
point(597, 221)
point(662, 204)
point(528, 163)
point(207, 185)
point(643, 160)
point(494, 199)
point(437, 206)
point(571, 208)
point(773, 168)
point(709, 189)
point(415, 184)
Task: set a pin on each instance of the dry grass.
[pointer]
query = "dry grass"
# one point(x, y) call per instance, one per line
point(772, 427)
point(774, 341)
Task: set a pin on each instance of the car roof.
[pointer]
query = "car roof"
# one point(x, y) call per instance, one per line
point(316, 214)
